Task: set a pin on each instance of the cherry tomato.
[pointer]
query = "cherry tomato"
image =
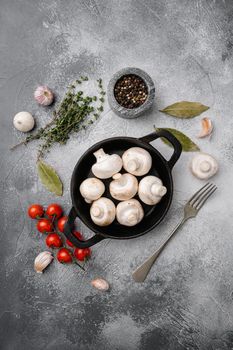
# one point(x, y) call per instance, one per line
point(82, 254)
point(76, 234)
point(44, 226)
point(35, 211)
point(61, 223)
point(53, 240)
point(54, 210)
point(64, 256)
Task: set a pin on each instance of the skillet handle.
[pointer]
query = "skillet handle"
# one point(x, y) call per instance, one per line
point(171, 138)
point(72, 238)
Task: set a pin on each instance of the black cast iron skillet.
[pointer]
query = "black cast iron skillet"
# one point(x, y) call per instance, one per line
point(153, 214)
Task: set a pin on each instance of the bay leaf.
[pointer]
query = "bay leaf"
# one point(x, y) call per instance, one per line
point(185, 109)
point(187, 144)
point(49, 178)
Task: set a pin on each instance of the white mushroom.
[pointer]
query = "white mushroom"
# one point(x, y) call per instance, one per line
point(91, 189)
point(103, 211)
point(24, 121)
point(151, 190)
point(129, 213)
point(203, 166)
point(137, 161)
point(106, 164)
point(123, 187)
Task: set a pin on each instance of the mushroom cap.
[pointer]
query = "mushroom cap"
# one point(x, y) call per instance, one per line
point(203, 166)
point(129, 213)
point(24, 121)
point(91, 189)
point(137, 161)
point(103, 211)
point(106, 165)
point(151, 190)
point(123, 187)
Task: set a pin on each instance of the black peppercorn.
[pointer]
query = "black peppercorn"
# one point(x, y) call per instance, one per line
point(130, 91)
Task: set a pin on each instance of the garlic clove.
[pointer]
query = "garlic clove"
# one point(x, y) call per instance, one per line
point(42, 261)
point(44, 96)
point(100, 284)
point(106, 164)
point(207, 127)
point(203, 166)
point(24, 121)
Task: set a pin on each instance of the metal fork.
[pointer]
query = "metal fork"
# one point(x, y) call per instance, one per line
point(191, 209)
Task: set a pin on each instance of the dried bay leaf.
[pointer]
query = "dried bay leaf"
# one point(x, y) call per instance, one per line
point(187, 144)
point(185, 109)
point(49, 178)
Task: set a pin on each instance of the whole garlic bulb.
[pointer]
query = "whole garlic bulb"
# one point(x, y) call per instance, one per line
point(151, 190)
point(106, 164)
point(24, 121)
point(137, 161)
point(103, 211)
point(91, 189)
point(129, 213)
point(43, 95)
point(203, 166)
point(42, 261)
point(123, 187)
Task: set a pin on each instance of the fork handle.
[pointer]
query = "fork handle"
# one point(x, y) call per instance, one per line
point(142, 271)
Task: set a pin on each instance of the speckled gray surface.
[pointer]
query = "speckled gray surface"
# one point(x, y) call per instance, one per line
point(187, 300)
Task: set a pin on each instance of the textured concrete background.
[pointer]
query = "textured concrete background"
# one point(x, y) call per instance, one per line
point(187, 300)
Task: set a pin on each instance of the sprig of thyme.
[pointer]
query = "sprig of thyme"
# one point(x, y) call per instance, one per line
point(75, 112)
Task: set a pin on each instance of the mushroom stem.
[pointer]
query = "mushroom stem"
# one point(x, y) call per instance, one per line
point(158, 190)
point(133, 219)
point(133, 165)
point(117, 176)
point(96, 211)
point(99, 154)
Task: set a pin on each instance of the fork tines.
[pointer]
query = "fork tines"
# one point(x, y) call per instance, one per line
point(200, 197)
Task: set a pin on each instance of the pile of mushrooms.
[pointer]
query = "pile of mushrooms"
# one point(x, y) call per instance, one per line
point(136, 161)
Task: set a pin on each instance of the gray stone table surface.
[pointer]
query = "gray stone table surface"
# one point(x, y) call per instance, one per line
point(187, 300)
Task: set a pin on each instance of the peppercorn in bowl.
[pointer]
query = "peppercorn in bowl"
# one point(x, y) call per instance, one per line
point(131, 92)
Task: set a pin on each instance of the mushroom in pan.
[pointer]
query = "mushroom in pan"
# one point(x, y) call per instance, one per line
point(106, 164)
point(123, 187)
point(151, 190)
point(91, 189)
point(103, 211)
point(137, 161)
point(203, 166)
point(129, 213)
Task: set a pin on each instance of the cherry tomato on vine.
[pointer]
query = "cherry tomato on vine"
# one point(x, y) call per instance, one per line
point(35, 211)
point(82, 254)
point(64, 256)
point(44, 226)
point(61, 223)
point(54, 210)
point(53, 240)
point(76, 234)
